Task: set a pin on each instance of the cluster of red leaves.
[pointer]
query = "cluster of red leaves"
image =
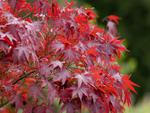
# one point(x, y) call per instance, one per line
point(54, 52)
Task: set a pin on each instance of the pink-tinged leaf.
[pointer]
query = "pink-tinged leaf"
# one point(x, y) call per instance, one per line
point(112, 29)
point(57, 46)
point(45, 70)
point(71, 54)
point(34, 26)
point(23, 31)
point(12, 20)
point(62, 76)
point(82, 79)
point(117, 76)
point(81, 47)
point(23, 54)
point(115, 105)
point(93, 96)
point(79, 92)
point(56, 64)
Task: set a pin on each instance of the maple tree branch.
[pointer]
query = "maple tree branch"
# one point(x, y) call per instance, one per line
point(22, 77)
point(15, 82)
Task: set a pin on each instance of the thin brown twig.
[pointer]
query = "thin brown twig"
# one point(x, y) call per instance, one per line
point(22, 77)
point(15, 82)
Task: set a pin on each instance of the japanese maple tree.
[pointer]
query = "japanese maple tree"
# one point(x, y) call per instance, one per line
point(49, 51)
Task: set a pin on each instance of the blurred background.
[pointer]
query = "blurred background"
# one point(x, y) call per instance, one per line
point(135, 29)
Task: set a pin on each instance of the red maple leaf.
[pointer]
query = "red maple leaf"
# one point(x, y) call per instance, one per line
point(127, 83)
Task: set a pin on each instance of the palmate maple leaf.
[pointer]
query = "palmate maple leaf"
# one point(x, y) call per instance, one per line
point(80, 92)
point(24, 54)
point(83, 79)
point(56, 64)
point(62, 76)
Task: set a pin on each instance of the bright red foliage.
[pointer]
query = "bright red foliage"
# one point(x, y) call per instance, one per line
point(56, 52)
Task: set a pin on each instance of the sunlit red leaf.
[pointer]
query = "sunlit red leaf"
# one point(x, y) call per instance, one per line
point(128, 83)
